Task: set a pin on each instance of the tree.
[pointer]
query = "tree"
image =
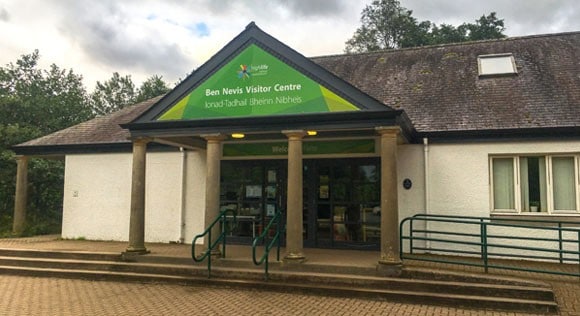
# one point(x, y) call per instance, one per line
point(152, 87)
point(48, 100)
point(35, 102)
point(119, 92)
point(386, 25)
point(113, 95)
point(486, 27)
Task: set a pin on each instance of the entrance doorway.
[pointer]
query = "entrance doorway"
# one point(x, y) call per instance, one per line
point(256, 190)
point(341, 199)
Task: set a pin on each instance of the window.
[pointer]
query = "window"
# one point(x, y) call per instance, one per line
point(497, 64)
point(547, 184)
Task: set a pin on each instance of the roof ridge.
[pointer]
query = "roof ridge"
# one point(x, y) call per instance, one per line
point(397, 50)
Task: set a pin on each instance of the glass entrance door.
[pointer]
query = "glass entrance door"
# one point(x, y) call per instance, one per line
point(256, 190)
point(343, 201)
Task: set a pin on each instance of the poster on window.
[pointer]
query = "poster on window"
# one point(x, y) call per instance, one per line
point(253, 191)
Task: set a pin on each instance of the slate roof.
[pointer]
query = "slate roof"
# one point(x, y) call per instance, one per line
point(438, 87)
point(100, 130)
point(440, 90)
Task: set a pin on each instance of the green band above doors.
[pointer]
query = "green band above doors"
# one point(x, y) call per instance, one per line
point(355, 146)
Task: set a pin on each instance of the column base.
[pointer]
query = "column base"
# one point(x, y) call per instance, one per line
point(293, 257)
point(390, 268)
point(130, 254)
point(137, 250)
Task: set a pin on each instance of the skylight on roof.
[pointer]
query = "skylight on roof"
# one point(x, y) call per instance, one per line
point(497, 64)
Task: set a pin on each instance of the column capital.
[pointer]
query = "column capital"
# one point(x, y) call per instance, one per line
point(21, 158)
point(294, 134)
point(217, 137)
point(393, 131)
point(141, 140)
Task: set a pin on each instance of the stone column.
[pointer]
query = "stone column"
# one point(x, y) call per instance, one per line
point(294, 205)
point(212, 185)
point(21, 195)
point(390, 262)
point(137, 220)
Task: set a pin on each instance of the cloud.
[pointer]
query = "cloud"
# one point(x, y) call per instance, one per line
point(308, 8)
point(112, 35)
point(171, 37)
point(267, 8)
point(521, 17)
point(4, 16)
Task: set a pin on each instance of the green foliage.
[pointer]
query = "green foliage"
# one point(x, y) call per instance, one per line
point(35, 102)
point(486, 27)
point(386, 24)
point(152, 87)
point(119, 92)
point(47, 100)
point(113, 95)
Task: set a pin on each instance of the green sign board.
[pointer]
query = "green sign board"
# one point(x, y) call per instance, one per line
point(358, 146)
point(255, 83)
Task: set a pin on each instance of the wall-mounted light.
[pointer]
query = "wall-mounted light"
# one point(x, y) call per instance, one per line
point(311, 133)
point(238, 135)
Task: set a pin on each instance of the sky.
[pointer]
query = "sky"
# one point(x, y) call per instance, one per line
point(171, 38)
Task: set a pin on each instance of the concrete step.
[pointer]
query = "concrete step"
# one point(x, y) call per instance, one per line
point(480, 302)
point(84, 255)
point(425, 286)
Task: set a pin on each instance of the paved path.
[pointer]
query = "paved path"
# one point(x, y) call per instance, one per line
point(49, 296)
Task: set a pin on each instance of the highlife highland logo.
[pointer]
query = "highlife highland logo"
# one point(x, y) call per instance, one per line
point(248, 71)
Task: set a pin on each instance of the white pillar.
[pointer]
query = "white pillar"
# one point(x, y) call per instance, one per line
point(390, 261)
point(21, 195)
point(294, 205)
point(212, 185)
point(137, 219)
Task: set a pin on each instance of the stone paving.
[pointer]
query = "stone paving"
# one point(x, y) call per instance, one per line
point(49, 296)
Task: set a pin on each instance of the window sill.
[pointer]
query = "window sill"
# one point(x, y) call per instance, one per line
point(574, 218)
point(538, 214)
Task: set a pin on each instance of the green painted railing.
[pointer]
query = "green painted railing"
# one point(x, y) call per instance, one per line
point(262, 239)
point(222, 219)
point(466, 237)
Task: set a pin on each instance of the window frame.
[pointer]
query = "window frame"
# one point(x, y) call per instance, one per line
point(550, 178)
point(509, 56)
point(550, 211)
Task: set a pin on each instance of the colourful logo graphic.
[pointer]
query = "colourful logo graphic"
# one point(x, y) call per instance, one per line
point(244, 73)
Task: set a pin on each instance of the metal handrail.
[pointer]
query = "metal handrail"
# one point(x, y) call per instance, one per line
point(262, 238)
point(567, 237)
point(222, 219)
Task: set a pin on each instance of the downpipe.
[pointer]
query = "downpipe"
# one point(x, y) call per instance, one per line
point(427, 204)
point(182, 195)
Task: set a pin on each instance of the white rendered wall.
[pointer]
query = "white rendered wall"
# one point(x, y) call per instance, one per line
point(194, 196)
point(97, 196)
point(459, 173)
point(459, 182)
point(97, 191)
point(410, 166)
point(163, 183)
